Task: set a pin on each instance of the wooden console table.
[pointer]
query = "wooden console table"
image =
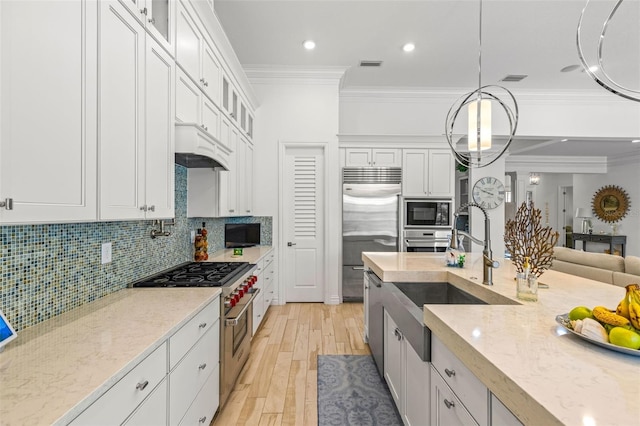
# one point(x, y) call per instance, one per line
point(612, 240)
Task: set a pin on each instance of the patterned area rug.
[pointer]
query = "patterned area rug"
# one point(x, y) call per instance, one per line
point(351, 392)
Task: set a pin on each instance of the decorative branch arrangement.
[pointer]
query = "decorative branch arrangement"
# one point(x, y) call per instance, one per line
point(525, 237)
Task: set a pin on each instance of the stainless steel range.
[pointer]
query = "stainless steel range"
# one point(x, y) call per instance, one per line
point(237, 282)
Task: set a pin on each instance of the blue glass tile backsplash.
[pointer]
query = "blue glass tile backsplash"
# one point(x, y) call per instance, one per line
point(46, 270)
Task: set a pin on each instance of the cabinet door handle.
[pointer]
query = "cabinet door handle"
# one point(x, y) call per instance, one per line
point(144, 208)
point(449, 404)
point(7, 203)
point(202, 419)
point(144, 11)
point(289, 244)
point(231, 210)
point(206, 83)
point(450, 373)
point(202, 325)
point(248, 211)
point(202, 366)
point(397, 333)
point(152, 21)
point(140, 386)
point(152, 208)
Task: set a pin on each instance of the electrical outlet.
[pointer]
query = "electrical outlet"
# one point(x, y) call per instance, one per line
point(106, 253)
point(193, 237)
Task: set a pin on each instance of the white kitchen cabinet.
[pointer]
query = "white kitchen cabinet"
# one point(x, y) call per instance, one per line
point(158, 18)
point(394, 360)
point(258, 310)
point(500, 415)
point(206, 403)
point(193, 107)
point(114, 406)
point(446, 408)
point(427, 172)
point(189, 42)
point(265, 271)
point(407, 376)
point(366, 284)
point(153, 411)
point(379, 157)
point(245, 180)
point(136, 133)
point(48, 110)
point(472, 393)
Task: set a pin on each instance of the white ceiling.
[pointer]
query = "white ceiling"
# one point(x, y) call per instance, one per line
point(532, 37)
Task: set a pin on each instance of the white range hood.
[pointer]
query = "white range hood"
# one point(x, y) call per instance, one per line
point(197, 148)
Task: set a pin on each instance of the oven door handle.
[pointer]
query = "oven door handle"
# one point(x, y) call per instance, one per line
point(429, 242)
point(234, 321)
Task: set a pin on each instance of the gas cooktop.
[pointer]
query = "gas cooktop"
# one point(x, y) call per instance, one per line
point(197, 274)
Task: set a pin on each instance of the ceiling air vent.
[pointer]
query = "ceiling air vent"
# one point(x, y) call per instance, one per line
point(514, 78)
point(370, 63)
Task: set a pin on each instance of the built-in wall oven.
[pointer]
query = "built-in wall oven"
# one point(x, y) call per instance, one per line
point(425, 240)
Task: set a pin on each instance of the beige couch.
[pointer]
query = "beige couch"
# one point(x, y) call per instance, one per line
point(615, 270)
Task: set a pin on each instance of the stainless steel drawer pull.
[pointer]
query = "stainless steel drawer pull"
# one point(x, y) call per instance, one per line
point(202, 366)
point(449, 404)
point(143, 208)
point(450, 373)
point(152, 208)
point(202, 419)
point(140, 386)
point(7, 203)
point(397, 333)
point(202, 325)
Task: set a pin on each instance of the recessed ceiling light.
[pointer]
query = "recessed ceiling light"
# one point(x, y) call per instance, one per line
point(309, 44)
point(635, 141)
point(409, 47)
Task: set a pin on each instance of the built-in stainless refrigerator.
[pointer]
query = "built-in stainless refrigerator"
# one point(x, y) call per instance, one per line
point(370, 200)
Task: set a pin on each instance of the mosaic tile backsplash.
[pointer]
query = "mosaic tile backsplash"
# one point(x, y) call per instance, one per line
point(46, 270)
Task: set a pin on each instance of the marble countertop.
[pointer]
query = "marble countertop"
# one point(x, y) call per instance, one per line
point(55, 369)
point(249, 254)
point(540, 372)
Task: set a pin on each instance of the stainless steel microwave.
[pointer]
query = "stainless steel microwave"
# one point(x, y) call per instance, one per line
point(426, 213)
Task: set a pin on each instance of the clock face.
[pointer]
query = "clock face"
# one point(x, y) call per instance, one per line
point(488, 192)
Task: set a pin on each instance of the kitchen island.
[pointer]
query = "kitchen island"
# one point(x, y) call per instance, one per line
point(543, 374)
point(58, 368)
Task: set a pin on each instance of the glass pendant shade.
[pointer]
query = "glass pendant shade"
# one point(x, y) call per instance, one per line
point(479, 124)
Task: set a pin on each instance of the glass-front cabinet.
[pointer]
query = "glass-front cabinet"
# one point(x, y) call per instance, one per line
point(158, 17)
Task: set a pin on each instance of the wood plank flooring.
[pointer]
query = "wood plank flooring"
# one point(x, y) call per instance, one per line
point(278, 385)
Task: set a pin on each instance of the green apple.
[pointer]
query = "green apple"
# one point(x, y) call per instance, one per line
point(580, 312)
point(620, 336)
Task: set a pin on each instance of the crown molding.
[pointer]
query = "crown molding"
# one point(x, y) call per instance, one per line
point(267, 74)
point(391, 141)
point(555, 164)
point(625, 159)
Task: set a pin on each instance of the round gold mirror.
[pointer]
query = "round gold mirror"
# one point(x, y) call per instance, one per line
point(610, 203)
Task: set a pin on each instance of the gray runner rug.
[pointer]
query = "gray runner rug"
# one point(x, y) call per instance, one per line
point(351, 392)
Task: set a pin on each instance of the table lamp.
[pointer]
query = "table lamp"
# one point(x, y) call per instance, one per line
point(585, 215)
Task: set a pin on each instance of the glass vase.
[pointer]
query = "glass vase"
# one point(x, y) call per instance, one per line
point(527, 287)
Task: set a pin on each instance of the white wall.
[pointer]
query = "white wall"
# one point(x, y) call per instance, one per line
point(626, 176)
point(296, 110)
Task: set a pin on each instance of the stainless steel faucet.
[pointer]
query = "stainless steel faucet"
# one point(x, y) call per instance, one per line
point(487, 262)
point(161, 232)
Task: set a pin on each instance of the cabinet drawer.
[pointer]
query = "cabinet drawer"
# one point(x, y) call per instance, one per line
point(446, 408)
point(188, 335)
point(206, 403)
point(119, 402)
point(153, 411)
point(259, 267)
point(269, 258)
point(461, 380)
point(191, 373)
point(500, 415)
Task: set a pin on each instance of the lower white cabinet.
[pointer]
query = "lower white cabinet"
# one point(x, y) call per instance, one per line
point(128, 393)
point(204, 406)
point(178, 383)
point(266, 274)
point(191, 374)
point(446, 408)
point(407, 376)
point(153, 411)
point(259, 311)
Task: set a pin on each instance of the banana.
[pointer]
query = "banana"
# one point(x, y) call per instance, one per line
point(634, 314)
point(623, 307)
point(604, 315)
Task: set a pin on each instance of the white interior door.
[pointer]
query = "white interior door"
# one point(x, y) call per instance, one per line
point(302, 223)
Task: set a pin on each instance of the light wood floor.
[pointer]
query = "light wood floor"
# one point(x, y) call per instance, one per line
point(278, 385)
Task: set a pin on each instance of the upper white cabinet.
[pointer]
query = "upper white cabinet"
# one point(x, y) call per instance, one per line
point(158, 17)
point(195, 54)
point(193, 107)
point(427, 172)
point(379, 157)
point(136, 132)
point(48, 110)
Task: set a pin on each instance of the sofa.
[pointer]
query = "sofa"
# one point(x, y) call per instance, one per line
point(616, 270)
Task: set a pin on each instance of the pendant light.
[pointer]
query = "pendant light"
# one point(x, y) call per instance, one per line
point(480, 150)
point(595, 16)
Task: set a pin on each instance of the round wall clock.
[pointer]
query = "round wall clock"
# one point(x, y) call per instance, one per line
point(488, 192)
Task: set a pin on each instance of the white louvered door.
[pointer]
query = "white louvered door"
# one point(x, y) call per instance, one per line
point(303, 214)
